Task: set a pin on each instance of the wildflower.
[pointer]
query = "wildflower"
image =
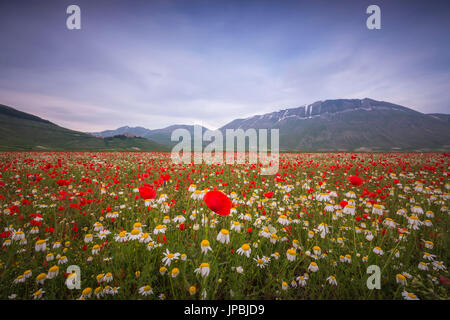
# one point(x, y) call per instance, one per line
point(332, 280)
point(291, 254)
point(203, 270)
point(218, 202)
point(283, 220)
point(160, 229)
point(423, 266)
point(175, 272)
point(244, 250)
point(313, 267)
point(414, 222)
point(135, 234)
point(317, 250)
point(429, 256)
point(19, 279)
point(284, 285)
point(401, 279)
point(88, 238)
point(236, 226)
point(38, 294)
point(409, 295)
point(302, 280)
point(49, 257)
point(428, 244)
point(377, 209)
point(168, 257)
point(41, 278)
point(40, 245)
point(378, 250)
point(192, 290)
point(98, 292)
point(27, 274)
point(261, 262)
point(205, 247)
point(162, 270)
point(223, 236)
point(146, 290)
point(108, 277)
point(239, 269)
point(122, 237)
point(87, 292)
point(438, 265)
point(52, 272)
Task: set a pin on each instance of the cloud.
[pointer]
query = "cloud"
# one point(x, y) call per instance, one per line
point(170, 64)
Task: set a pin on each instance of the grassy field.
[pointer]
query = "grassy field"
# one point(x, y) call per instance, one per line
point(309, 232)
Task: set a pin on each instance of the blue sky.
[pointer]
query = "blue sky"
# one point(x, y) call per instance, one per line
point(158, 63)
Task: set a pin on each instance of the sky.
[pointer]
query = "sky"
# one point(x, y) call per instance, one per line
point(158, 63)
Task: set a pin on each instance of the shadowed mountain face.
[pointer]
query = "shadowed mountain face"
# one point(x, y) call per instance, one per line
point(23, 131)
point(353, 125)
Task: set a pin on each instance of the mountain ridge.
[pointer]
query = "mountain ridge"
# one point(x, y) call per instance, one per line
point(326, 125)
point(24, 131)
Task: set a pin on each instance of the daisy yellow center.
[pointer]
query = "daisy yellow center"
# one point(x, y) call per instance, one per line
point(224, 231)
point(53, 269)
point(175, 270)
point(135, 232)
point(170, 255)
point(205, 243)
point(245, 247)
point(41, 276)
point(291, 252)
point(401, 277)
point(86, 291)
point(204, 265)
point(147, 288)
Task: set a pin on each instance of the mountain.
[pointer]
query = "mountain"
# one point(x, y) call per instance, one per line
point(161, 136)
point(441, 116)
point(24, 131)
point(353, 125)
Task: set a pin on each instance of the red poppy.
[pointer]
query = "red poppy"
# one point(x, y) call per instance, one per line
point(62, 182)
point(147, 192)
point(355, 180)
point(268, 195)
point(218, 202)
point(343, 203)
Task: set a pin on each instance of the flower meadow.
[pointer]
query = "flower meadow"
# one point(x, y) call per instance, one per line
point(141, 227)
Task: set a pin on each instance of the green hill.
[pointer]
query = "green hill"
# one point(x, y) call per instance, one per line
point(23, 131)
